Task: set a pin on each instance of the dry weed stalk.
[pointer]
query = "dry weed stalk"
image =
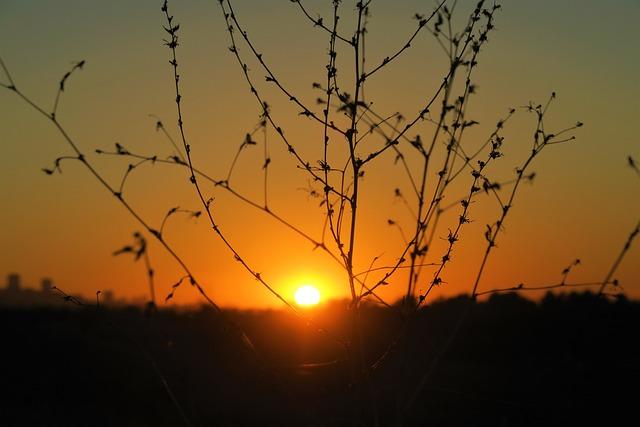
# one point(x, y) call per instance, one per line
point(360, 135)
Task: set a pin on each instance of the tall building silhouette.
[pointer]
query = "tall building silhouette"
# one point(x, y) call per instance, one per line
point(14, 294)
point(17, 294)
point(13, 282)
point(46, 285)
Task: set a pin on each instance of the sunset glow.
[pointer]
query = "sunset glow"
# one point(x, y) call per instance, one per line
point(270, 199)
point(307, 295)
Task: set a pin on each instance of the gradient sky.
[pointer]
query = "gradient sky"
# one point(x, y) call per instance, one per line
point(583, 204)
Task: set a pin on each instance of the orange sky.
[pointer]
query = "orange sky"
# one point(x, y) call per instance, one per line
point(583, 204)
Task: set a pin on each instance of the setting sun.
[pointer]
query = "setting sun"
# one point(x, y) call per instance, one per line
point(307, 295)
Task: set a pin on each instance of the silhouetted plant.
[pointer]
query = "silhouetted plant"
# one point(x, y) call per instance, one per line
point(355, 137)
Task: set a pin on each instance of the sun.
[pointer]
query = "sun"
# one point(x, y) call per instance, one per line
point(307, 295)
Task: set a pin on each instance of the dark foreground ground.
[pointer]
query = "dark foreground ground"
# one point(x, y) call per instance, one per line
point(571, 360)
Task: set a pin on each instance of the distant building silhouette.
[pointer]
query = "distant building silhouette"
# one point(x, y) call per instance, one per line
point(13, 282)
point(46, 286)
point(14, 294)
point(108, 297)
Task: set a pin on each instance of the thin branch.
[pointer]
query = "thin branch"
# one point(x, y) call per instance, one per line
point(422, 23)
point(320, 23)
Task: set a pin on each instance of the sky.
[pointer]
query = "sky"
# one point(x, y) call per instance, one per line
point(583, 203)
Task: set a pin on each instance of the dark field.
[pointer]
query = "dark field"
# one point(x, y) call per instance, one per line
point(570, 360)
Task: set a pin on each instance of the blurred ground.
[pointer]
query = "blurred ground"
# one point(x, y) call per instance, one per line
point(567, 360)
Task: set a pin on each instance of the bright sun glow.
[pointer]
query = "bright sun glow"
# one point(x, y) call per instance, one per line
point(307, 295)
